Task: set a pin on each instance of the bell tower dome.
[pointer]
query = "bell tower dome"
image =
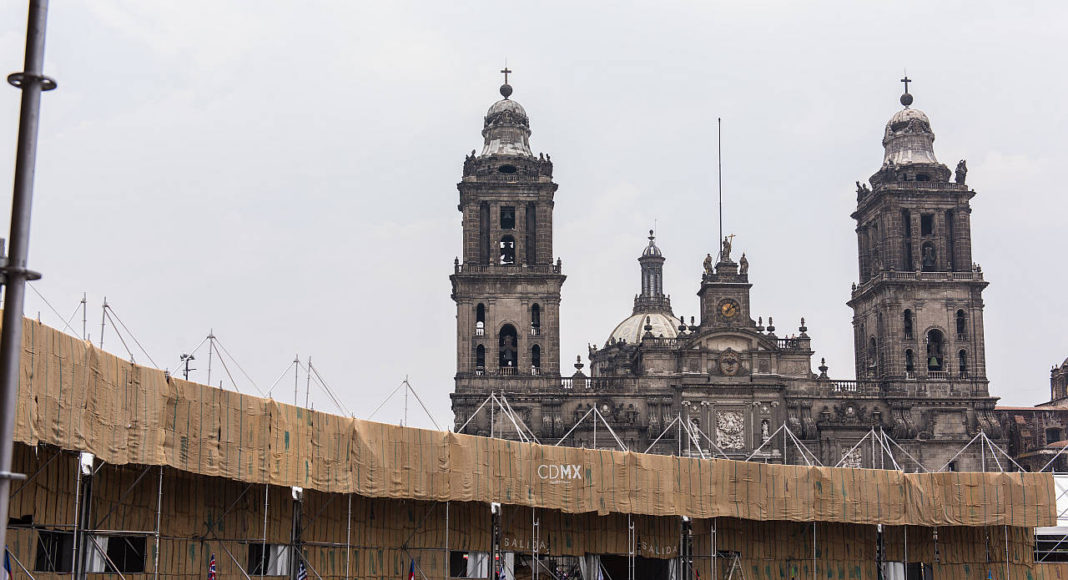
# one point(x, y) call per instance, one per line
point(506, 285)
point(918, 306)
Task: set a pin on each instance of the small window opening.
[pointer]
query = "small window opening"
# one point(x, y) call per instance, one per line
point(873, 353)
point(906, 219)
point(54, 551)
point(1053, 434)
point(507, 169)
point(935, 343)
point(480, 320)
point(910, 362)
point(507, 347)
point(927, 224)
point(908, 325)
point(923, 177)
point(507, 251)
point(535, 360)
point(484, 233)
point(535, 320)
point(507, 218)
point(962, 364)
point(480, 360)
point(930, 260)
point(962, 325)
point(909, 264)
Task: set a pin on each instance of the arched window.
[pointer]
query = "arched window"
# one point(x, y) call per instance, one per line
point(480, 360)
point(873, 355)
point(935, 358)
point(535, 320)
point(507, 251)
point(480, 319)
point(506, 348)
point(962, 325)
point(910, 361)
point(535, 360)
point(908, 324)
point(484, 233)
point(928, 257)
point(532, 233)
point(962, 363)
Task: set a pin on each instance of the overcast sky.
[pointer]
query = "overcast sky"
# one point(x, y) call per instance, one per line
point(285, 172)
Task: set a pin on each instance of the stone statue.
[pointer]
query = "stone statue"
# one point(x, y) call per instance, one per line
point(743, 265)
point(928, 257)
point(708, 264)
point(962, 171)
point(764, 428)
point(862, 188)
point(725, 252)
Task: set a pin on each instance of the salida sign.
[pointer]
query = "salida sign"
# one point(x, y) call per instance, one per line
point(559, 473)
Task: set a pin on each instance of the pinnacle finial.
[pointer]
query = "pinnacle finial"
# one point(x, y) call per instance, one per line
point(906, 98)
point(506, 89)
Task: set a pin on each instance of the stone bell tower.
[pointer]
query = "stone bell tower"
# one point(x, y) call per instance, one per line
point(507, 285)
point(918, 307)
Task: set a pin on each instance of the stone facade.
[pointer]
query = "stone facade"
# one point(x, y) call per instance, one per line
point(729, 385)
point(1038, 436)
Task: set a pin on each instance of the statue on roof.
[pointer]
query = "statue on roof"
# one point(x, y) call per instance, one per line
point(725, 252)
point(708, 264)
point(962, 172)
point(743, 265)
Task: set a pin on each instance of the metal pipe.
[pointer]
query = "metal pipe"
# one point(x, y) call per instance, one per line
point(348, 536)
point(159, 511)
point(32, 83)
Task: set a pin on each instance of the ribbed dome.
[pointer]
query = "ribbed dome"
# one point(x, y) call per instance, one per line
point(909, 139)
point(505, 105)
point(632, 329)
point(651, 249)
point(506, 130)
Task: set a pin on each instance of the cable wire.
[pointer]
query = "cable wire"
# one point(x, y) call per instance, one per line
point(219, 345)
point(137, 342)
point(53, 308)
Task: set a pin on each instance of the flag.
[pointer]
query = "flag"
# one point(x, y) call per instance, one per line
point(7, 564)
point(302, 572)
point(211, 568)
point(411, 570)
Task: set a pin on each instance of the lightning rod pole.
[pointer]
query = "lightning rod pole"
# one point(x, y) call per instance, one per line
point(32, 83)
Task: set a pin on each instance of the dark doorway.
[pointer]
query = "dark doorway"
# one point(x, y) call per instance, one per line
point(644, 568)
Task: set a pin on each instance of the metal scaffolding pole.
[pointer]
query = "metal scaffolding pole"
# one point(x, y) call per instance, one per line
point(348, 537)
point(159, 511)
point(15, 272)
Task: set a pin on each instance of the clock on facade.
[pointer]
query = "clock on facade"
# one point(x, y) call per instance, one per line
point(728, 308)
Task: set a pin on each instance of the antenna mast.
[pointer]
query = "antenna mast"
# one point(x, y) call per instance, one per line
point(84, 320)
point(719, 171)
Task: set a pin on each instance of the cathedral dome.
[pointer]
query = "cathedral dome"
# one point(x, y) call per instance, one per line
point(633, 328)
point(503, 106)
point(908, 139)
point(507, 128)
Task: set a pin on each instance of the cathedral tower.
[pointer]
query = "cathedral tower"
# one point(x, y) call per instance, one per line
point(506, 286)
point(918, 309)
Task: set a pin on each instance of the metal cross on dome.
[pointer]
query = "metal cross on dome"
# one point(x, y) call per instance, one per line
point(506, 71)
point(906, 80)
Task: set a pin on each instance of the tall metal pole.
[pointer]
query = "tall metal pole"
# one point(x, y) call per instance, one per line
point(32, 83)
point(719, 173)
